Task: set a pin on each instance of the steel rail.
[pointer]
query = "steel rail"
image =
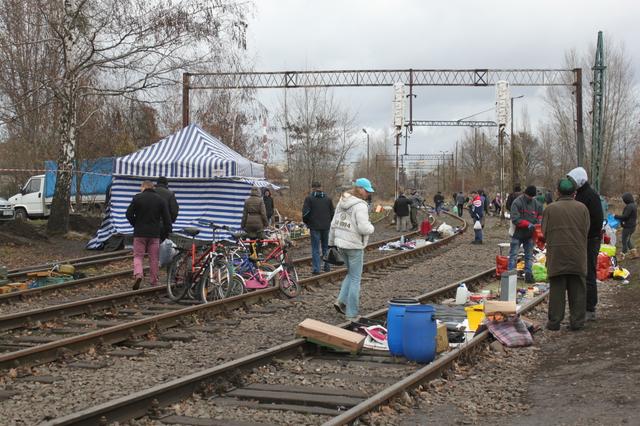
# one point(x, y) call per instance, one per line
point(420, 376)
point(139, 403)
point(49, 265)
point(36, 291)
point(50, 351)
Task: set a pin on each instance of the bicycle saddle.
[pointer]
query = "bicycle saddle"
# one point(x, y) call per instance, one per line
point(191, 231)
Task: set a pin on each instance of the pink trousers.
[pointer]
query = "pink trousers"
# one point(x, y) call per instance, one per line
point(151, 246)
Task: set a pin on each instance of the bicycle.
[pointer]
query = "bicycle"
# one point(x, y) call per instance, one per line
point(258, 274)
point(202, 271)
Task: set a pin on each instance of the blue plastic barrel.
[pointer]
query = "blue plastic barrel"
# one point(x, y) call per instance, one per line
point(395, 316)
point(419, 333)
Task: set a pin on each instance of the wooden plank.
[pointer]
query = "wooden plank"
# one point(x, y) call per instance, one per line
point(308, 389)
point(365, 358)
point(307, 409)
point(330, 335)
point(148, 344)
point(199, 421)
point(36, 339)
point(329, 401)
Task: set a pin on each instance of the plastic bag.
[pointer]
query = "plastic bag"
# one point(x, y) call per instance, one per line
point(608, 249)
point(603, 267)
point(538, 237)
point(445, 230)
point(502, 264)
point(167, 252)
point(611, 233)
point(454, 210)
point(539, 272)
point(621, 273)
point(612, 221)
point(477, 225)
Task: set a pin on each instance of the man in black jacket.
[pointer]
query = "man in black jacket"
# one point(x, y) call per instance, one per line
point(517, 191)
point(590, 198)
point(149, 215)
point(402, 208)
point(169, 197)
point(317, 213)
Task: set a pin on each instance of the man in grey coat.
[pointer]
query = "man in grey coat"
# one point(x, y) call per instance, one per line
point(565, 225)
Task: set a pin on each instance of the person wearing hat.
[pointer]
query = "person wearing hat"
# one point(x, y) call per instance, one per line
point(590, 198)
point(317, 212)
point(350, 230)
point(526, 212)
point(169, 197)
point(565, 224)
point(476, 210)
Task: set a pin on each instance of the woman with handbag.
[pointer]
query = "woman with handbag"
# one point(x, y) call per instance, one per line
point(350, 230)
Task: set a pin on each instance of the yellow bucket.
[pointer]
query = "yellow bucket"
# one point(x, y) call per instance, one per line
point(475, 315)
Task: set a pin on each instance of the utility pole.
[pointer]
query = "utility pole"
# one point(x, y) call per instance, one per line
point(502, 111)
point(398, 121)
point(597, 128)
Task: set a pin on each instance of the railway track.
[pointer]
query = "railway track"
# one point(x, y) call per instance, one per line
point(302, 263)
point(293, 377)
point(42, 335)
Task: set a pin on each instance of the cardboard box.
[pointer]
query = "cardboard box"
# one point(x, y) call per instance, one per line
point(329, 335)
point(442, 340)
point(505, 307)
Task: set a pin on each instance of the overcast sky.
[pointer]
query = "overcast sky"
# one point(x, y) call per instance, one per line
point(365, 34)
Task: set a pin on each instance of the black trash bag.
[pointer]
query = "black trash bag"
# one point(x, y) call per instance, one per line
point(333, 257)
point(114, 243)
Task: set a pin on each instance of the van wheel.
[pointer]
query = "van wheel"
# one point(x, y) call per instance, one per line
point(21, 214)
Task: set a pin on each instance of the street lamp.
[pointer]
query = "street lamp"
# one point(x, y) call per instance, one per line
point(514, 166)
point(365, 132)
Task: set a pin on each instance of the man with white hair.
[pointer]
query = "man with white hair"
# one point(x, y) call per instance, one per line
point(591, 199)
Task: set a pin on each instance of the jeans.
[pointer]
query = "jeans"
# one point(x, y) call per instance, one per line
point(460, 207)
point(478, 234)
point(527, 245)
point(350, 290)
point(414, 217)
point(627, 244)
point(574, 287)
point(438, 208)
point(151, 246)
point(402, 223)
point(593, 247)
point(319, 240)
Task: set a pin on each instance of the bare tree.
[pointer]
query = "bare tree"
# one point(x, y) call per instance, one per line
point(119, 48)
point(620, 114)
point(321, 135)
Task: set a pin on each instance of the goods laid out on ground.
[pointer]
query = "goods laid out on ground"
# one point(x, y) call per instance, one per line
point(57, 275)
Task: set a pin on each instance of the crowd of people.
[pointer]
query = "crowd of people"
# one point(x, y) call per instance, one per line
point(571, 225)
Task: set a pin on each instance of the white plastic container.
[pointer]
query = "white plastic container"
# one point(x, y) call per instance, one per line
point(462, 294)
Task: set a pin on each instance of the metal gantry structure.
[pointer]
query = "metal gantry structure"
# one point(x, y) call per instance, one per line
point(451, 123)
point(411, 78)
point(597, 125)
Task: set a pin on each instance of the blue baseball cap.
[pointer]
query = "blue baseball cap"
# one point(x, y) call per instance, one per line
point(364, 183)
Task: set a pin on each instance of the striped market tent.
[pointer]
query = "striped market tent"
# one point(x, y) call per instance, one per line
point(210, 180)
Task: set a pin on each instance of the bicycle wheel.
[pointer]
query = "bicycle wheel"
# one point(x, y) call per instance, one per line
point(210, 285)
point(289, 281)
point(179, 277)
point(235, 287)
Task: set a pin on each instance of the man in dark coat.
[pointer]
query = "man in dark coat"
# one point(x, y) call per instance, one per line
point(438, 202)
point(402, 208)
point(628, 220)
point(149, 215)
point(162, 189)
point(460, 203)
point(268, 205)
point(526, 212)
point(317, 213)
point(254, 215)
point(565, 224)
point(591, 199)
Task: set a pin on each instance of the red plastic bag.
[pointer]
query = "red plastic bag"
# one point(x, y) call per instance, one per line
point(425, 227)
point(502, 264)
point(538, 237)
point(603, 269)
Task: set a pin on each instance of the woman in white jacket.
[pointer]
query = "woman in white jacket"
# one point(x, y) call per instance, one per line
point(350, 230)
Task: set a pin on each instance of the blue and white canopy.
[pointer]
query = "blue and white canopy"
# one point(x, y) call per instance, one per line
point(210, 180)
point(190, 153)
